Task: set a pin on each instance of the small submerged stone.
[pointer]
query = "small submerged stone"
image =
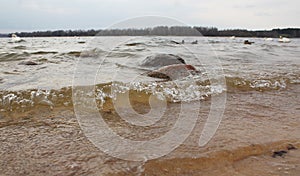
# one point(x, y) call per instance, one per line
point(195, 42)
point(247, 42)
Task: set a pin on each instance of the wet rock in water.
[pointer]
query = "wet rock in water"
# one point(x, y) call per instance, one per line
point(175, 71)
point(280, 153)
point(28, 63)
point(160, 60)
point(246, 42)
point(195, 42)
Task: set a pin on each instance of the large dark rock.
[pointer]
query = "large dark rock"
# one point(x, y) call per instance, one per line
point(160, 60)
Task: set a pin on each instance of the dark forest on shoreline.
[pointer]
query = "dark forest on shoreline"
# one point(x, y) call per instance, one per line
point(165, 31)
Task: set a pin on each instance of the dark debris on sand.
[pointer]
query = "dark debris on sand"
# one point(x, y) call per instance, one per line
point(282, 153)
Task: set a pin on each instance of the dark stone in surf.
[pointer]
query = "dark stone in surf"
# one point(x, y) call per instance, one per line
point(28, 63)
point(174, 42)
point(246, 42)
point(161, 60)
point(280, 153)
point(171, 72)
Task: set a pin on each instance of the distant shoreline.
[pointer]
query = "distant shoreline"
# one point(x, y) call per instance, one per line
point(165, 31)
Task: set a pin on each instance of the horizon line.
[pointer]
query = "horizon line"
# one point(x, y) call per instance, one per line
point(220, 29)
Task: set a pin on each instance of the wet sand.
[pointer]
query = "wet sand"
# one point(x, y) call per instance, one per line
point(46, 141)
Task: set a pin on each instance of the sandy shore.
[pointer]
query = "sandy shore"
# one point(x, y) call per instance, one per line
point(255, 125)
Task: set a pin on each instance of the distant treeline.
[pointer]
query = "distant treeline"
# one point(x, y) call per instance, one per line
point(4, 35)
point(165, 31)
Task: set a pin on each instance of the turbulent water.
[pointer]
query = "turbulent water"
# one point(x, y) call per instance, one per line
point(261, 82)
point(263, 66)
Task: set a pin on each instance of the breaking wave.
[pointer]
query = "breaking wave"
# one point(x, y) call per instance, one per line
point(171, 91)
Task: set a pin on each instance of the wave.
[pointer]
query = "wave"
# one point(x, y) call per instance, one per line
point(136, 49)
point(20, 47)
point(86, 53)
point(17, 41)
point(121, 54)
point(6, 57)
point(171, 91)
point(174, 91)
point(27, 99)
point(74, 53)
point(15, 56)
point(44, 52)
point(134, 44)
point(263, 84)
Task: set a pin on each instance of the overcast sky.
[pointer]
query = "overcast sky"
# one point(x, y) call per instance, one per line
point(32, 15)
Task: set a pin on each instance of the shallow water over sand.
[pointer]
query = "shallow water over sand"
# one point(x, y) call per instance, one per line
point(50, 142)
point(40, 134)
